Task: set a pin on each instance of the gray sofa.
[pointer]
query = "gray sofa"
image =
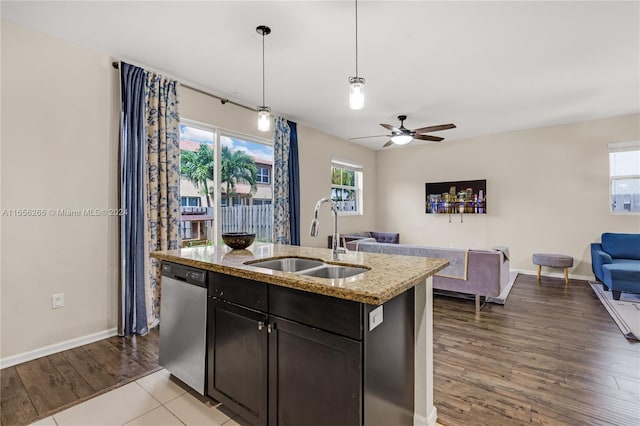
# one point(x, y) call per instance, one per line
point(481, 273)
point(381, 237)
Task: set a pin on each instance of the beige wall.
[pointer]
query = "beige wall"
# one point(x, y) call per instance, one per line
point(547, 190)
point(316, 150)
point(59, 150)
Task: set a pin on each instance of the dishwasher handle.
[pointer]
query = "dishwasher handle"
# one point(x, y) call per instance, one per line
point(183, 273)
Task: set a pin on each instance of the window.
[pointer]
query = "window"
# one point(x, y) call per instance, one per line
point(624, 177)
point(197, 189)
point(190, 201)
point(263, 175)
point(245, 177)
point(346, 186)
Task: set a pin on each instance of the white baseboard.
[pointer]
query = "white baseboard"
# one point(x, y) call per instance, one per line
point(55, 348)
point(547, 273)
point(419, 420)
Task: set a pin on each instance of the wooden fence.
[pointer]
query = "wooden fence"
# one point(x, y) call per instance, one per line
point(252, 219)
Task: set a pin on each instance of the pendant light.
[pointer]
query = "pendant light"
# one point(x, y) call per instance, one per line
point(356, 84)
point(264, 112)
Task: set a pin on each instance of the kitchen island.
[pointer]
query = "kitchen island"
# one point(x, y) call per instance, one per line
point(353, 350)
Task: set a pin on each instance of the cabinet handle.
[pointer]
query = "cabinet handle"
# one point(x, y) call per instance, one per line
point(270, 328)
point(261, 325)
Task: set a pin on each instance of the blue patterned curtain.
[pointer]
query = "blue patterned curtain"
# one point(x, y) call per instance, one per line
point(150, 167)
point(132, 160)
point(286, 183)
point(162, 181)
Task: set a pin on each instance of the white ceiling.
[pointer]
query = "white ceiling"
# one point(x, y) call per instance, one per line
point(488, 67)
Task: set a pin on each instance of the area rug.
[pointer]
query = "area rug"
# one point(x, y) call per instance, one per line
point(625, 312)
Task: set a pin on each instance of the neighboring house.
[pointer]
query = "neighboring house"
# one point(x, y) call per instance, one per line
point(192, 197)
point(196, 221)
point(263, 194)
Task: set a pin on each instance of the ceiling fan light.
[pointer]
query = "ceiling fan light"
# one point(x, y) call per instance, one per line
point(402, 139)
point(264, 118)
point(356, 93)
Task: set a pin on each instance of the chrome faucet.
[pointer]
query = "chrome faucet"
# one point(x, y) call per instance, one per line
point(335, 244)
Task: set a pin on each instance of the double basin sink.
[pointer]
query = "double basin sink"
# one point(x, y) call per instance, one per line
point(309, 267)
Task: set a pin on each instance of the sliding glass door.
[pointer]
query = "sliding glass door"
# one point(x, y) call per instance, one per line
point(226, 184)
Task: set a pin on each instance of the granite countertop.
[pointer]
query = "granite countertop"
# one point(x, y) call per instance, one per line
point(389, 275)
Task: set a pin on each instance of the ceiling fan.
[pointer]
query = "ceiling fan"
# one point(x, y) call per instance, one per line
point(402, 136)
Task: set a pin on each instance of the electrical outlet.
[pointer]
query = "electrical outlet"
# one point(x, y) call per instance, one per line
point(57, 301)
point(375, 317)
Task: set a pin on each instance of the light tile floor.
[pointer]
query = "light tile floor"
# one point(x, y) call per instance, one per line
point(154, 400)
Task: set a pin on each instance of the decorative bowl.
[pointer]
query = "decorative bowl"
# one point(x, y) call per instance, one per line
point(238, 240)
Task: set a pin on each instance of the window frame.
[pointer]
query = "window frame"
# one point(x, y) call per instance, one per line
point(629, 146)
point(219, 133)
point(188, 198)
point(358, 170)
point(268, 175)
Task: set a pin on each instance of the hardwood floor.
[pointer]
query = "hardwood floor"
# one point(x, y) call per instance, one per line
point(550, 355)
point(39, 388)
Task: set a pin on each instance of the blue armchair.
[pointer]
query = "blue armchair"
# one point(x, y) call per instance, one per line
point(616, 262)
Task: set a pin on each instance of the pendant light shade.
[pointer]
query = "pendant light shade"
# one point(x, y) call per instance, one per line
point(402, 139)
point(264, 118)
point(264, 112)
point(356, 84)
point(356, 92)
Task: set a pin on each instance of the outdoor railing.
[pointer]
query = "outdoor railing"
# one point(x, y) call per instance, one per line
point(197, 224)
point(252, 219)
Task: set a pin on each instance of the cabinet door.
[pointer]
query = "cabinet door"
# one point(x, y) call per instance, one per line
point(238, 359)
point(314, 377)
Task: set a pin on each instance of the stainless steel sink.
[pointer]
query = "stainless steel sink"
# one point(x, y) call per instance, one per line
point(288, 264)
point(334, 272)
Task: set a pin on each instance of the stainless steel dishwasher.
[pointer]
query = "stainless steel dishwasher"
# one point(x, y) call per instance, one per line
point(183, 323)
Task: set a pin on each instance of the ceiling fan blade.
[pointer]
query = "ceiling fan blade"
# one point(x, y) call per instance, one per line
point(390, 127)
point(387, 144)
point(435, 128)
point(428, 138)
point(366, 137)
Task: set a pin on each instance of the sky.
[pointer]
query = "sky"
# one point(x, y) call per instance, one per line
point(254, 149)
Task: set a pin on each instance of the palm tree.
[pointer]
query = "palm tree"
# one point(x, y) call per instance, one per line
point(197, 167)
point(237, 167)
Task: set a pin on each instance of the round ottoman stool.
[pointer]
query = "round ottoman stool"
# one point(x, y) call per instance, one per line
point(554, 261)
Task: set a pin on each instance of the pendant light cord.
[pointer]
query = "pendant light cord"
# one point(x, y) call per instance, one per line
point(356, 38)
point(263, 68)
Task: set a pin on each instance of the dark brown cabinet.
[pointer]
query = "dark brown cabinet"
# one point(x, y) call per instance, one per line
point(314, 376)
point(238, 337)
point(284, 357)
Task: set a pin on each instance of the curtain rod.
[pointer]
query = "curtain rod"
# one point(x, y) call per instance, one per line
point(223, 101)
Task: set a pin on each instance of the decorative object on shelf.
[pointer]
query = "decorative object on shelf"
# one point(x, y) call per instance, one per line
point(402, 136)
point(238, 240)
point(264, 112)
point(356, 84)
point(463, 197)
